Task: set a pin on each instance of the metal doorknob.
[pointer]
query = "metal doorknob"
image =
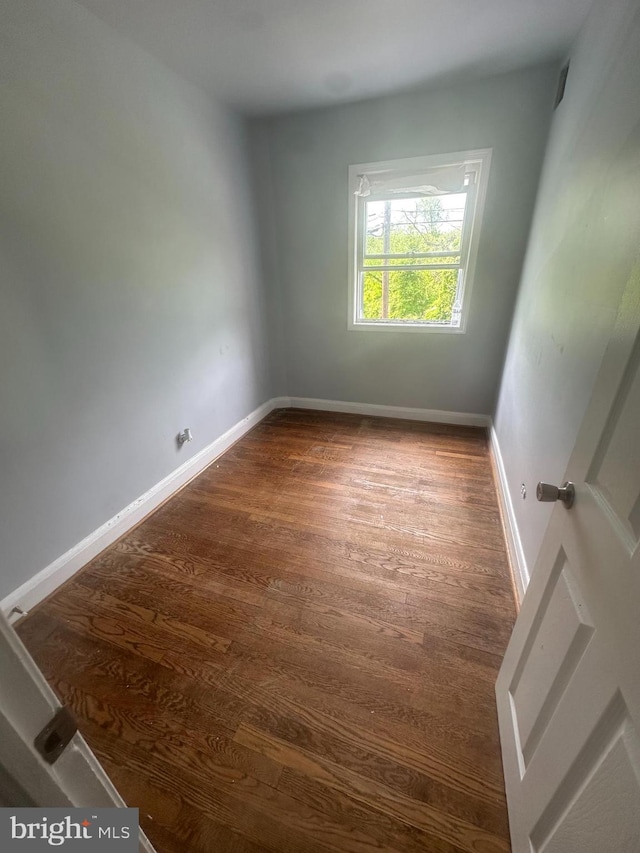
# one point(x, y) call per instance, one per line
point(566, 493)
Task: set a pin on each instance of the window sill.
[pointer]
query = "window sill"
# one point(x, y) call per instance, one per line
point(364, 326)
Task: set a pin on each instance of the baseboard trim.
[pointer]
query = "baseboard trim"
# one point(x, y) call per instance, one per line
point(37, 588)
point(41, 585)
point(515, 551)
point(374, 410)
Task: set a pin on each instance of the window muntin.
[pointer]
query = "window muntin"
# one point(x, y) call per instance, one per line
point(415, 240)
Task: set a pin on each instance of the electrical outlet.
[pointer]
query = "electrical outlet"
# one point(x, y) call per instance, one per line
point(523, 491)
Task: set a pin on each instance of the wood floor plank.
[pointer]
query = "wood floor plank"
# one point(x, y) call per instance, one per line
point(384, 769)
point(380, 798)
point(153, 730)
point(297, 652)
point(441, 752)
point(260, 812)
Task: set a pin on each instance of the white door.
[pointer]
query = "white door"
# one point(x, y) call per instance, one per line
point(569, 688)
point(27, 704)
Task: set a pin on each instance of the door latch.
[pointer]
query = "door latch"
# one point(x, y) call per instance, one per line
point(55, 736)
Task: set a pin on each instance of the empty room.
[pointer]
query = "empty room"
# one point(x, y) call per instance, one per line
point(320, 426)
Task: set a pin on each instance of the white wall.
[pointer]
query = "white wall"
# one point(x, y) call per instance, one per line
point(583, 249)
point(131, 300)
point(310, 153)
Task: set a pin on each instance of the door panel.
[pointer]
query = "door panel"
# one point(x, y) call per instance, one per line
point(596, 807)
point(555, 646)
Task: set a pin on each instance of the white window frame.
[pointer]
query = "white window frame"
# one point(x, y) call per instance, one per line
point(478, 161)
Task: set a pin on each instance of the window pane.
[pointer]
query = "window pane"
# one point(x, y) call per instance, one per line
point(426, 295)
point(402, 225)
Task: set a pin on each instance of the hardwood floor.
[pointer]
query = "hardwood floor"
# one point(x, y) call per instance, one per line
point(297, 653)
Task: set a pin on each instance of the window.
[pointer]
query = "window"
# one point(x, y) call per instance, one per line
point(414, 229)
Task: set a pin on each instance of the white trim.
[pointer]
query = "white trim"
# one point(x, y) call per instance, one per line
point(512, 533)
point(374, 410)
point(380, 326)
point(50, 578)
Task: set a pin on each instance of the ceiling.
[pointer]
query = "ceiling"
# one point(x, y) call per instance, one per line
point(265, 56)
